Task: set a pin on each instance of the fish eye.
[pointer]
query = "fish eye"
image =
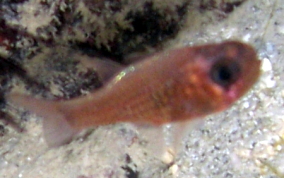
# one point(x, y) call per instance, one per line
point(225, 72)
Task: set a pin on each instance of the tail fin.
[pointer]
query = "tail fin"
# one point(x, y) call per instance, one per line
point(56, 129)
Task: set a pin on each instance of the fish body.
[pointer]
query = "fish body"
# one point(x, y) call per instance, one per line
point(170, 86)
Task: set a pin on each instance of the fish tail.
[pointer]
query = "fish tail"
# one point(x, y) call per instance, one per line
point(56, 128)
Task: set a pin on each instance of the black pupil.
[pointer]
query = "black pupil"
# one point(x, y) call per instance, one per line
point(225, 72)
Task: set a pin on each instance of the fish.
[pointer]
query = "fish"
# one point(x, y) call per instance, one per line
point(171, 86)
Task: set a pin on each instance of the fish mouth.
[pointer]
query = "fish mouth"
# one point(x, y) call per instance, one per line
point(232, 96)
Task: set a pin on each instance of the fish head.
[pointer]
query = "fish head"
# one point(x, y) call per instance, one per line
point(218, 76)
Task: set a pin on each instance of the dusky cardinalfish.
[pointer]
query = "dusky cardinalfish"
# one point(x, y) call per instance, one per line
point(170, 86)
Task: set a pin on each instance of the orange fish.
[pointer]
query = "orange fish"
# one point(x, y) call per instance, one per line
point(170, 86)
